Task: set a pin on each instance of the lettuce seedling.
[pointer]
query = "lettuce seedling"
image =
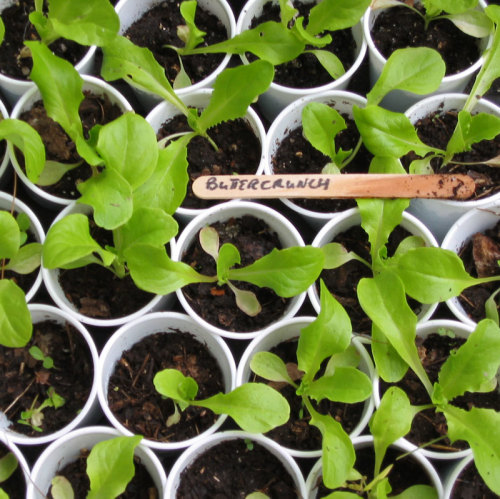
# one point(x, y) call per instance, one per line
point(462, 14)
point(8, 465)
point(34, 415)
point(110, 468)
point(327, 337)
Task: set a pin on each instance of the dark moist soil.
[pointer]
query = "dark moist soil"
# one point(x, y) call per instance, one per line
point(470, 485)
point(480, 255)
point(305, 71)
point(158, 27)
point(400, 27)
point(404, 474)
point(15, 485)
point(343, 281)
point(71, 377)
point(429, 425)
point(134, 400)
point(297, 433)
point(295, 154)
point(436, 129)
point(239, 153)
point(216, 304)
point(94, 110)
point(235, 469)
point(13, 60)
point(140, 487)
point(96, 292)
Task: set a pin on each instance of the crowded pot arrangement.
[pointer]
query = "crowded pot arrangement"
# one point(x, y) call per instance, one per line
point(155, 344)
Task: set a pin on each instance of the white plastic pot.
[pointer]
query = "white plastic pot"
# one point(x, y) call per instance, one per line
point(7, 202)
point(314, 477)
point(288, 235)
point(90, 411)
point(399, 100)
point(460, 233)
point(440, 214)
point(193, 452)
point(288, 120)
point(288, 330)
point(200, 99)
point(67, 449)
point(350, 218)
point(21, 460)
point(91, 84)
point(423, 330)
point(277, 96)
point(14, 88)
point(51, 281)
point(165, 322)
point(130, 11)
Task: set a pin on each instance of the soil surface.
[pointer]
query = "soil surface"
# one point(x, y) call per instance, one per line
point(436, 129)
point(343, 281)
point(15, 61)
point(134, 400)
point(140, 487)
point(158, 28)
point(239, 152)
point(295, 154)
point(216, 304)
point(400, 27)
point(94, 110)
point(428, 424)
point(297, 433)
point(470, 485)
point(24, 381)
point(404, 474)
point(235, 469)
point(305, 71)
point(15, 485)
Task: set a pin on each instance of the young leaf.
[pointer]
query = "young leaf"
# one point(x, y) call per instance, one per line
point(419, 70)
point(2, 31)
point(328, 334)
point(61, 488)
point(153, 270)
point(474, 364)
point(383, 300)
point(491, 308)
point(255, 407)
point(288, 272)
point(8, 464)
point(336, 256)
point(330, 62)
point(191, 35)
point(54, 171)
point(15, 319)
point(450, 6)
point(420, 491)
point(26, 260)
point(479, 428)
point(269, 366)
point(473, 23)
point(233, 92)
point(246, 300)
point(390, 366)
point(171, 383)
point(10, 236)
point(110, 466)
point(228, 257)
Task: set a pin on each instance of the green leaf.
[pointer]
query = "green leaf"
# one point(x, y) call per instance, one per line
point(336, 256)
point(421, 166)
point(27, 259)
point(473, 23)
point(128, 145)
point(8, 464)
point(10, 235)
point(192, 36)
point(234, 90)
point(450, 6)
point(246, 301)
point(255, 407)
point(479, 427)
point(347, 14)
point(110, 466)
point(228, 257)
point(2, 31)
point(92, 22)
point(330, 62)
point(321, 124)
point(153, 270)
point(69, 244)
point(308, 39)
point(349, 358)
point(390, 366)
point(287, 12)
point(171, 383)
point(61, 488)
point(491, 309)
point(383, 300)
point(269, 366)
point(386, 132)
point(288, 272)
point(25, 138)
point(166, 187)
point(474, 364)
point(420, 491)
point(419, 70)
point(122, 59)
point(347, 384)
point(54, 171)
point(110, 196)
point(15, 318)
point(209, 241)
point(391, 421)
point(329, 334)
